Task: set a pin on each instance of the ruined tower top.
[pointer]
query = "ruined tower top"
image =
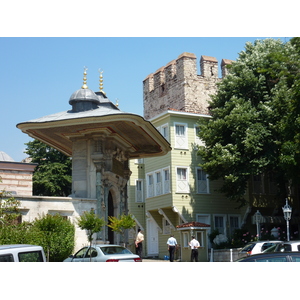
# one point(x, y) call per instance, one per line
point(177, 85)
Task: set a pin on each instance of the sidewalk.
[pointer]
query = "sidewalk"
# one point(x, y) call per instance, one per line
point(155, 260)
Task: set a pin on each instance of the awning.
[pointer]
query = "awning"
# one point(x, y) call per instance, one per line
point(193, 226)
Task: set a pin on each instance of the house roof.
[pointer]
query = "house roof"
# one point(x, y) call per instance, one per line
point(192, 225)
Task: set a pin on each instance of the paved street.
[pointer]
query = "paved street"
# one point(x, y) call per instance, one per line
point(154, 260)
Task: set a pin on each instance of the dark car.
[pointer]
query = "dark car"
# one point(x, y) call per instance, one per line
point(272, 257)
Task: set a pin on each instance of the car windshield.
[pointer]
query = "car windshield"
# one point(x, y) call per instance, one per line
point(270, 249)
point(248, 247)
point(111, 250)
point(266, 246)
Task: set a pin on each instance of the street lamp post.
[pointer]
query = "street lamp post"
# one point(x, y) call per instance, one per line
point(258, 219)
point(287, 212)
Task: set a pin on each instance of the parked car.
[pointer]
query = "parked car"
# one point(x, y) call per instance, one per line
point(270, 249)
point(272, 257)
point(256, 247)
point(104, 253)
point(22, 253)
point(290, 246)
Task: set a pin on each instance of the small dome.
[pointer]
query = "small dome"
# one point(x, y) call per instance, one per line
point(84, 95)
point(5, 157)
point(84, 99)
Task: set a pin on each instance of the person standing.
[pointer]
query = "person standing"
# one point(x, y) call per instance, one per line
point(194, 246)
point(172, 243)
point(139, 243)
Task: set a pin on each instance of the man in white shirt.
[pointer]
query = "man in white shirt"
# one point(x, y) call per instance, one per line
point(139, 243)
point(194, 246)
point(171, 247)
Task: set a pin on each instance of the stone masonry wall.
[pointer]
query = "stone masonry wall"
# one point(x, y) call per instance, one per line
point(17, 182)
point(177, 86)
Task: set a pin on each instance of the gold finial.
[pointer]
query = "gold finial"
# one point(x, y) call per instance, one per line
point(84, 79)
point(117, 102)
point(101, 81)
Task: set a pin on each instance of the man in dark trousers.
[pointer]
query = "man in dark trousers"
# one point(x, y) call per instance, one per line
point(194, 246)
point(139, 243)
point(171, 247)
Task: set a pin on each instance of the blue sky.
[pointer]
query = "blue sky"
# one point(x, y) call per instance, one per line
point(39, 74)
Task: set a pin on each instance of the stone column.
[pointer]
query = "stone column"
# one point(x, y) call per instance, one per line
point(107, 186)
point(100, 204)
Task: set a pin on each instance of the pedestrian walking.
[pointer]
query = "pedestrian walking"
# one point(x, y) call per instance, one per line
point(172, 243)
point(194, 244)
point(139, 243)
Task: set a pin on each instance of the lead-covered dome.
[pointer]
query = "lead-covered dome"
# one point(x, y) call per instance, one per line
point(5, 157)
point(84, 99)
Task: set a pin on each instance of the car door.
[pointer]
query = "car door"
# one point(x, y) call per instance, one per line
point(80, 256)
point(90, 255)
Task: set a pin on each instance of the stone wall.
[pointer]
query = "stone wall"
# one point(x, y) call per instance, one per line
point(177, 86)
point(71, 208)
point(16, 177)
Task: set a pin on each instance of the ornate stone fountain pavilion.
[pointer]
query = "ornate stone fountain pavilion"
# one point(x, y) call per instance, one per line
point(101, 139)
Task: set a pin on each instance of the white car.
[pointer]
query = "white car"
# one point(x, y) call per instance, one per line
point(104, 253)
point(256, 247)
point(291, 246)
point(22, 253)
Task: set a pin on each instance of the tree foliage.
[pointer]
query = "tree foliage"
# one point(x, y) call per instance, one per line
point(53, 175)
point(255, 123)
point(9, 208)
point(91, 222)
point(56, 235)
point(121, 224)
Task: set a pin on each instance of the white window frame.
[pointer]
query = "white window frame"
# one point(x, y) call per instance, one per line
point(181, 140)
point(224, 223)
point(203, 218)
point(182, 184)
point(200, 237)
point(202, 182)
point(166, 180)
point(158, 183)
point(232, 229)
point(139, 193)
point(206, 219)
point(139, 161)
point(186, 239)
point(150, 185)
point(165, 131)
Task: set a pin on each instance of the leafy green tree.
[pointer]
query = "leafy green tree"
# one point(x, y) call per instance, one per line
point(121, 224)
point(55, 234)
point(9, 210)
point(15, 234)
point(254, 126)
point(53, 175)
point(92, 223)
